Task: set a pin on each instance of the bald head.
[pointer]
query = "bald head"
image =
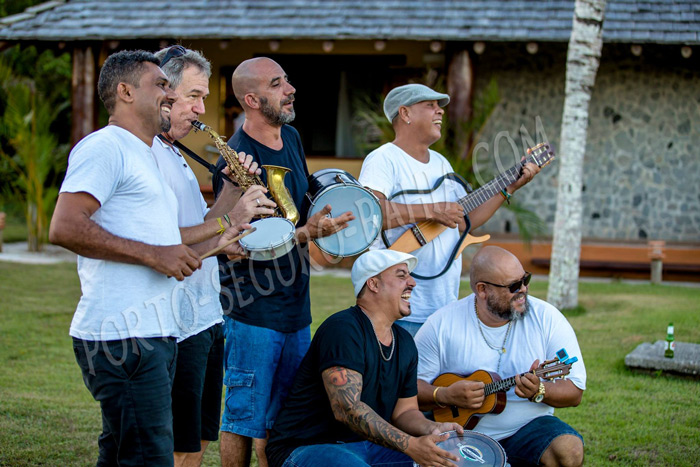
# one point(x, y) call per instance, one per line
point(494, 264)
point(250, 75)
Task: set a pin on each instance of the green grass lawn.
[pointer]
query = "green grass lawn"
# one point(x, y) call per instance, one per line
point(47, 416)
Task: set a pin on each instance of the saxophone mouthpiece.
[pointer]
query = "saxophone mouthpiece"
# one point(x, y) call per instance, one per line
point(198, 125)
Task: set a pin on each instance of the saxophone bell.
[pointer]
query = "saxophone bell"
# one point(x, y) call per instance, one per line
point(275, 175)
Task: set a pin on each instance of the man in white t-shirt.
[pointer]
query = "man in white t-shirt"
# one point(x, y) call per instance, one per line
point(199, 373)
point(117, 213)
point(408, 163)
point(500, 329)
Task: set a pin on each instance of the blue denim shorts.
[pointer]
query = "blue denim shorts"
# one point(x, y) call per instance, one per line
point(359, 454)
point(260, 367)
point(528, 444)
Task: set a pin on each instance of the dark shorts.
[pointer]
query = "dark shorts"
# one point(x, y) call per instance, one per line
point(197, 389)
point(132, 380)
point(528, 444)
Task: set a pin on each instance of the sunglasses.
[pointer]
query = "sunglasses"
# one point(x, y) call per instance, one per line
point(515, 286)
point(173, 52)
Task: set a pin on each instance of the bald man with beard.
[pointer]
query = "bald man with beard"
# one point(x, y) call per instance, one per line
point(500, 328)
point(266, 303)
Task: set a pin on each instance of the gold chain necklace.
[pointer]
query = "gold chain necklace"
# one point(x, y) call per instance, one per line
point(500, 350)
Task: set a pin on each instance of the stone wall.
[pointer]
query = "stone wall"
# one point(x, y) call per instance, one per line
point(642, 164)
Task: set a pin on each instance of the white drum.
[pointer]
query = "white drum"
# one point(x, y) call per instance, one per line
point(273, 237)
point(472, 448)
point(344, 193)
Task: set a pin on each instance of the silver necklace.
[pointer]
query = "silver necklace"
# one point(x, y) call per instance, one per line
point(393, 340)
point(500, 350)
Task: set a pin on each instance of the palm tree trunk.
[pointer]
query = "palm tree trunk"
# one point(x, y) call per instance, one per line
point(582, 63)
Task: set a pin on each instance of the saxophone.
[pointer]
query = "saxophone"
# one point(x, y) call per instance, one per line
point(275, 176)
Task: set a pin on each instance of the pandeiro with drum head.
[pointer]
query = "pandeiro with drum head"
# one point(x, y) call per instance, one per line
point(344, 193)
point(274, 237)
point(474, 449)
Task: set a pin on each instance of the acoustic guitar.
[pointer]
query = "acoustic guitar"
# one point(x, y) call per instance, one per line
point(494, 389)
point(426, 231)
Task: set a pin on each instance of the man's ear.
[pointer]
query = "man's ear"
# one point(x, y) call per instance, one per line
point(373, 284)
point(125, 92)
point(252, 100)
point(481, 290)
point(404, 114)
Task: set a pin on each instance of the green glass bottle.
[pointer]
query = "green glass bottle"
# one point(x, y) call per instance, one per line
point(670, 342)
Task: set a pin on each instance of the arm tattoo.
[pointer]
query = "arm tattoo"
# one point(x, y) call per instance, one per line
point(344, 388)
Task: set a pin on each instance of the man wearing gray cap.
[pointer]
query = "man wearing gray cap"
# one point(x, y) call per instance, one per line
point(354, 401)
point(408, 163)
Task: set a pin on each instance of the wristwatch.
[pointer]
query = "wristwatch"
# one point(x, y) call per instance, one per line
point(539, 395)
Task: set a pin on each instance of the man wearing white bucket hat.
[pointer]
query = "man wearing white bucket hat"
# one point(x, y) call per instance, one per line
point(354, 399)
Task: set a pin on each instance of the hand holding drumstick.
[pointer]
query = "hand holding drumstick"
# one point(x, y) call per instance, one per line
point(228, 242)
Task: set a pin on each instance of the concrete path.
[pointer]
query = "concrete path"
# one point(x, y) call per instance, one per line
point(18, 253)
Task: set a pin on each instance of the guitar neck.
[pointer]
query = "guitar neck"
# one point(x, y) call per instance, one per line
point(501, 385)
point(551, 369)
point(484, 193)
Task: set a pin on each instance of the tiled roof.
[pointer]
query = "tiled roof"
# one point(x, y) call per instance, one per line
point(638, 21)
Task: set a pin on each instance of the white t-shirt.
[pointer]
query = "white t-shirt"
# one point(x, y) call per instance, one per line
point(122, 300)
point(389, 170)
point(450, 342)
point(198, 302)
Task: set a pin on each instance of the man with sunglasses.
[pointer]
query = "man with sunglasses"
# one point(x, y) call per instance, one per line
point(501, 329)
point(198, 379)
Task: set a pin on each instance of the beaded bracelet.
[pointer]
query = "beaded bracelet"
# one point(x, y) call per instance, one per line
point(506, 195)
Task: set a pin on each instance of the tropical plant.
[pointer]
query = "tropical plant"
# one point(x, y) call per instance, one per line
point(372, 129)
point(30, 152)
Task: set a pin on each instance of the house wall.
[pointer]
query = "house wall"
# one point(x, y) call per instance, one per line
point(642, 159)
point(231, 53)
point(641, 165)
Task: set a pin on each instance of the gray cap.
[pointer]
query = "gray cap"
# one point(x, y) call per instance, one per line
point(410, 94)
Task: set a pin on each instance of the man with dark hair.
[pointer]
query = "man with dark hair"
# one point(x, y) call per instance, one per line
point(353, 402)
point(119, 216)
point(199, 374)
point(267, 302)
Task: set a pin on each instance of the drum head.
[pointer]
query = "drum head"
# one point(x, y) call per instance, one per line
point(474, 448)
point(270, 232)
point(360, 232)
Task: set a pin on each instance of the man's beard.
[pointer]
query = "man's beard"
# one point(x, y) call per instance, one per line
point(507, 311)
point(277, 117)
point(164, 124)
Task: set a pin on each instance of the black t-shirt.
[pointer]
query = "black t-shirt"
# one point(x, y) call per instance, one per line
point(345, 339)
point(272, 294)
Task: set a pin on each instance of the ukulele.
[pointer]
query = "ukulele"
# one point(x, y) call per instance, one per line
point(426, 231)
point(494, 389)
